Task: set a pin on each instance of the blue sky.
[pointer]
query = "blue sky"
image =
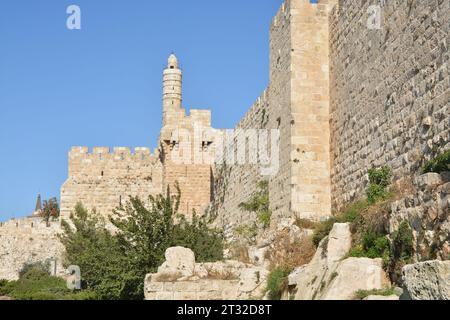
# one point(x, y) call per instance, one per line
point(101, 85)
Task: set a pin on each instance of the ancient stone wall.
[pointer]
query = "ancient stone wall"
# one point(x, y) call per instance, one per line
point(102, 180)
point(187, 155)
point(28, 240)
point(296, 103)
point(235, 183)
point(390, 90)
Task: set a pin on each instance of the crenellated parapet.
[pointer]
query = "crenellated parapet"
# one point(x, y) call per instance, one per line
point(101, 162)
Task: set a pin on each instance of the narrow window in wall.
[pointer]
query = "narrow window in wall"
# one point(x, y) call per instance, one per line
point(103, 173)
point(120, 201)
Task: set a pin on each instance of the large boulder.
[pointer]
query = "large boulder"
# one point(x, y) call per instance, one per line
point(428, 280)
point(180, 261)
point(329, 276)
point(354, 274)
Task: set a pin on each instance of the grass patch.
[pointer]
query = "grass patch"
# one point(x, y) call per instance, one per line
point(277, 282)
point(362, 294)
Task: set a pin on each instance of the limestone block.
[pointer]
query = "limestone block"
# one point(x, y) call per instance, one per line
point(178, 260)
point(428, 280)
point(355, 274)
point(339, 242)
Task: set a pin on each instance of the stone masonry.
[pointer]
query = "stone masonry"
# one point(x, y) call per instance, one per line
point(104, 180)
point(345, 96)
point(390, 90)
point(29, 240)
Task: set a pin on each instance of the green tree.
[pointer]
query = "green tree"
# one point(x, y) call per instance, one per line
point(97, 252)
point(114, 265)
point(50, 210)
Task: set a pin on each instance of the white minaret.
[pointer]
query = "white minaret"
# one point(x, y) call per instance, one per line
point(172, 89)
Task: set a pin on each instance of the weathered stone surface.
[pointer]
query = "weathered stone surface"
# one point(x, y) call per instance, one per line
point(328, 277)
point(387, 110)
point(355, 274)
point(178, 260)
point(428, 280)
point(29, 240)
point(339, 242)
point(227, 280)
point(427, 210)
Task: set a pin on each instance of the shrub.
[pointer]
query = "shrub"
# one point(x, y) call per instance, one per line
point(50, 210)
point(277, 282)
point(206, 243)
point(114, 265)
point(35, 270)
point(401, 251)
point(259, 204)
point(403, 243)
point(373, 246)
point(35, 283)
point(439, 164)
point(379, 180)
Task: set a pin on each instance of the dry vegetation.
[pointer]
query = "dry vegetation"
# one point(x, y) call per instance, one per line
point(290, 254)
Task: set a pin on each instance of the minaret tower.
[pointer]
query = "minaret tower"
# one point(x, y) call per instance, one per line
point(172, 91)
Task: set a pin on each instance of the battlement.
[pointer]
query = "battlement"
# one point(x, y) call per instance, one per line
point(29, 224)
point(302, 8)
point(118, 153)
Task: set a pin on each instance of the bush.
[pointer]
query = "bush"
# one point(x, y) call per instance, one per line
point(277, 282)
point(401, 252)
point(439, 164)
point(35, 283)
point(403, 243)
point(35, 270)
point(379, 180)
point(114, 266)
point(373, 246)
point(206, 243)
point(259, 204)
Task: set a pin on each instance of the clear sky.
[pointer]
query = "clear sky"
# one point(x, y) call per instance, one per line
point(101, 85)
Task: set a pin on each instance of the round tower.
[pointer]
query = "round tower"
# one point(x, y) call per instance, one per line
point(172, 89)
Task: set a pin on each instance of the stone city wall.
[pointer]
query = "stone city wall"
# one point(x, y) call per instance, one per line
point(28, 240)
point(390, 90)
